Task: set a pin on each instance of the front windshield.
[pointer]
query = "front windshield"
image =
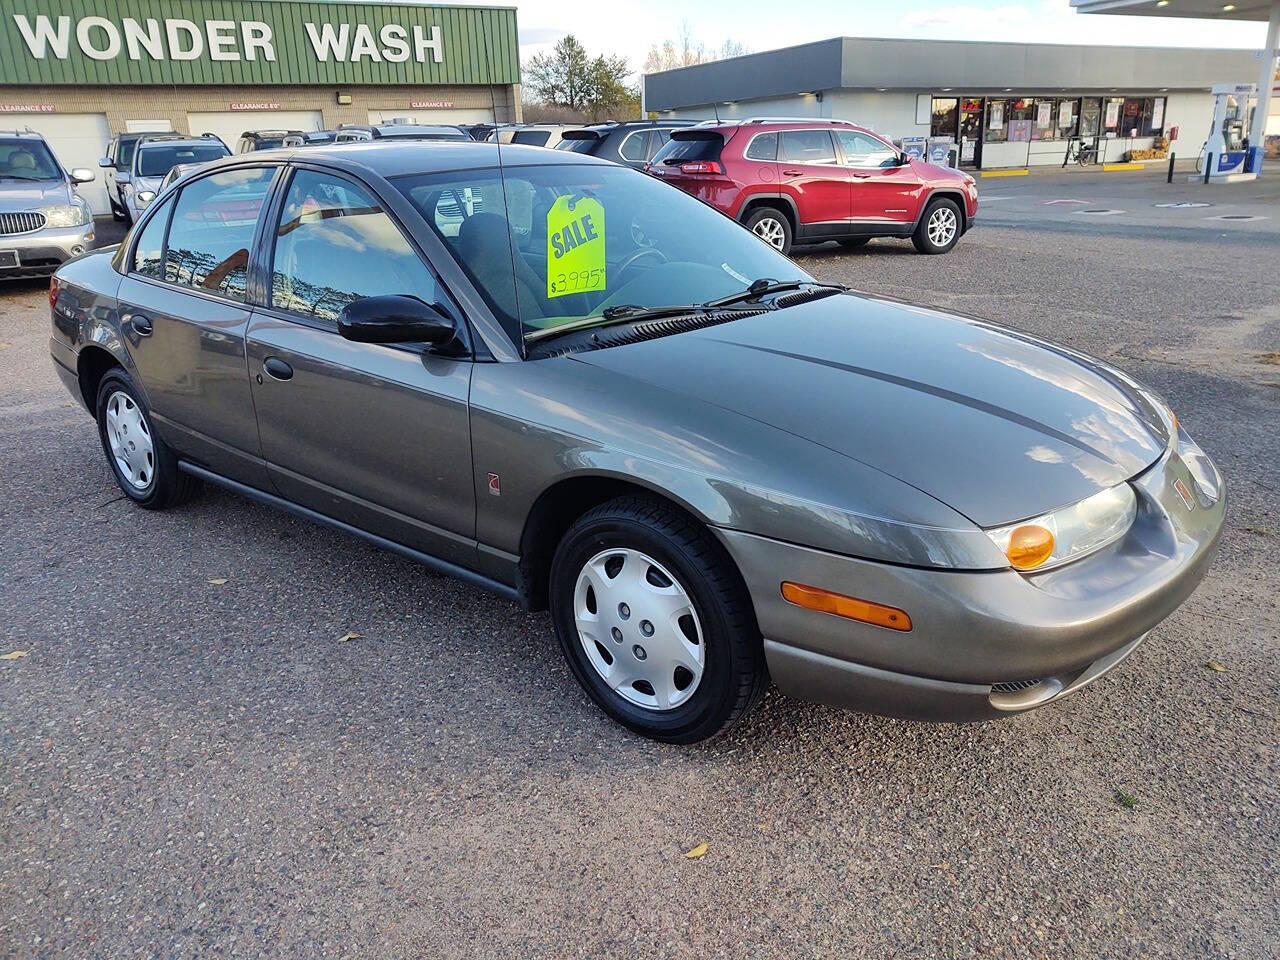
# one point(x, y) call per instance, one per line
point(573, 239)
point(27, 159)
point(155, 160)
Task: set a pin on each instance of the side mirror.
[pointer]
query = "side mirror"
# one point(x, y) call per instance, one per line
point(123, 176)
point(395, 319)
point(82, 175)
point(903, 159)
point(105, 162)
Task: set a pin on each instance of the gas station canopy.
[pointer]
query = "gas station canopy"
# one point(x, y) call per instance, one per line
point(1197, 9)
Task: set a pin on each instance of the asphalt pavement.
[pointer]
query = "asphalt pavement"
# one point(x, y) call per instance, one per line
point(192, 762)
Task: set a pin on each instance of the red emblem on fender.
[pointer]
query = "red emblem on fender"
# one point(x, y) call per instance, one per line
point(1184, 493)
point(495, 485)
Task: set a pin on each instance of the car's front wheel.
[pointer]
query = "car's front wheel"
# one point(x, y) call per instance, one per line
point(143, 465)
point(771, 226)
point(655, 622)
point(939, 228)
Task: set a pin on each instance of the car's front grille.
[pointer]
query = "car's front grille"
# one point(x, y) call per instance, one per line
point(1013, 686)
point(22, 222)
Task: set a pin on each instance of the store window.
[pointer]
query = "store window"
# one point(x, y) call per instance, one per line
point(1111, 107)
point(1090, 117)
point(1065, 115)
point(1131, 117)
point(997, 129)
point(1042, 120)
point(1021, 113)
point(945, 117)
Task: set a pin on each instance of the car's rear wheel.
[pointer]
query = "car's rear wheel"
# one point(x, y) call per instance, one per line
point(772, 226)
point(939, 228)
point(655, 622)
point(144, 466)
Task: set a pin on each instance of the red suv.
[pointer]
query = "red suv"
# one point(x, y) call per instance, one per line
point(806, 181)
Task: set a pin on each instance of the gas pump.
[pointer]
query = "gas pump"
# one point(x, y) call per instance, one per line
point(1224, 151)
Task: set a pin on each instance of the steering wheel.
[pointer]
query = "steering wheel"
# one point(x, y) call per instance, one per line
point(630, 259)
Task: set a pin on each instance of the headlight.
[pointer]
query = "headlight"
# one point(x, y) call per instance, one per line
point(145, 197)
point(1054, 538)
point(66, 214)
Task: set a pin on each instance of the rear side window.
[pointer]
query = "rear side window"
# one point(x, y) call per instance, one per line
point(148, 255)
point(531, 138)
point(576, 145)
point(212, 230)
point(632, 147)
point(681, 150)
point(335, 245)
point(763, 147)
point(807, 146)
point(657, 140)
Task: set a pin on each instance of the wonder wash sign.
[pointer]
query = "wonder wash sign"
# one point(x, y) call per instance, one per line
point(46, 42)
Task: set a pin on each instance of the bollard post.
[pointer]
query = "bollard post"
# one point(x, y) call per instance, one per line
point(1171, 156)
point(1208, 165)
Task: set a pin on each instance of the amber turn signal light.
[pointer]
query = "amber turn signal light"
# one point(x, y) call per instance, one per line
point(1029, 546)
point(824, 601)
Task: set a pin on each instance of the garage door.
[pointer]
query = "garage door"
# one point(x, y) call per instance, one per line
point(229, 124)
point(77, 140)
point(431, 116)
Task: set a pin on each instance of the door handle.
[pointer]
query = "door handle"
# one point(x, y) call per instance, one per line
point(791, 173)
point(277, 369)
point(862, 176)
point(141, 324)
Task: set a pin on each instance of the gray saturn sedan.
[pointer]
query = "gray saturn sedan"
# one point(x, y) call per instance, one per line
point(584, 390)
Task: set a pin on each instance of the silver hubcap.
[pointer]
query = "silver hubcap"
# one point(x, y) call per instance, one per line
point(942, 226)
point(770, 231)
point(130, 440)
point(638, 628)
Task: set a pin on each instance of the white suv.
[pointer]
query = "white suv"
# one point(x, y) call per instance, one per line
point(43, 221)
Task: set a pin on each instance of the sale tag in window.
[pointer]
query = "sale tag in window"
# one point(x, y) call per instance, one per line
point(575, 246)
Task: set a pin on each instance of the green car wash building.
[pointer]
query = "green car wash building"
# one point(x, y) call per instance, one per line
point(80, 73)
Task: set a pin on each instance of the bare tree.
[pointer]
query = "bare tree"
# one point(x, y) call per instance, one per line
point(684, 51)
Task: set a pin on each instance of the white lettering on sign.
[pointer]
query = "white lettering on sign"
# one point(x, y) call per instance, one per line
point(226, 40)
point(254, 105)
point(339, 44)
point(28, 108)
point(431, 104)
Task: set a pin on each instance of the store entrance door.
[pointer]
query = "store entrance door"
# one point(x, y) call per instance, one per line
point(972, 110)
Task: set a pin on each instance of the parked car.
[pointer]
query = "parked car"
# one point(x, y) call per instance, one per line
point(600, 395)
point(43, 220)
point(807, 181)
point(478, 131)
point(633, 143)
point(119, 160)
point(153, 158)
point(252, 140)
point(354, 133)
point(309, 139)
point(531, 134)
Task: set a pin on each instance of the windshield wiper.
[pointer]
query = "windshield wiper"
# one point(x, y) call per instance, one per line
point(765, 286)
point(619, 313)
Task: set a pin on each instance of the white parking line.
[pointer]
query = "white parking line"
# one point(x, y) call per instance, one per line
point(1050, 203)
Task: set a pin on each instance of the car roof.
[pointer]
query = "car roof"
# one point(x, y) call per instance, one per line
point(32, 134)
point(391, 158)
point(269, 133)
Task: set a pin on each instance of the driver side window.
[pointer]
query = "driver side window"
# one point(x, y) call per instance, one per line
point(334, 245)
point(861, 150)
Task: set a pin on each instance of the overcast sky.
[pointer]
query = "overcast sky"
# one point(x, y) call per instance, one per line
point(630, 27)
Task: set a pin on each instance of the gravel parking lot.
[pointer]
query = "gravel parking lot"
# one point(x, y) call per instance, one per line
point(190, 766)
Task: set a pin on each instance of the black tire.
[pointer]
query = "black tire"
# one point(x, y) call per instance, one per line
point(922, 240)
point(734, 673)
point(116, 213)
point(165, 485)
point(773, 220)
point(853, 243)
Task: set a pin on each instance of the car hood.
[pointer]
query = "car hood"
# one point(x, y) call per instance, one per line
point(997, 425)
point(30, 194)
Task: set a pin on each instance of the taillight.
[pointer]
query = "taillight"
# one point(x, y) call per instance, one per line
point(53, 293)
point(701, 166)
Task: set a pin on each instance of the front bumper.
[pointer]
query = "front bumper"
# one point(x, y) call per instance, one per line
point(982, 644)
point(41, 252)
